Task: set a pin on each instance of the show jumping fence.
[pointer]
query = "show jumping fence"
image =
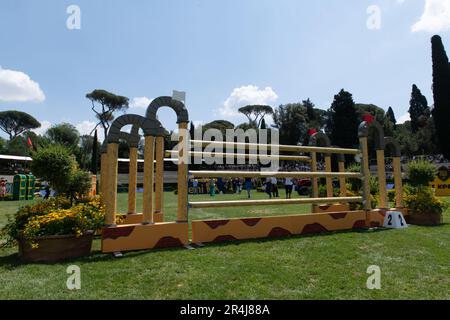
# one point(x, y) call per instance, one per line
point(148, 229)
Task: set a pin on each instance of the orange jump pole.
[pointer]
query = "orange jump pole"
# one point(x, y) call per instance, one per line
point(182, 213)
point(365, 178)
point(147, 203)
point(382, 179)
point(159, 180)
point(132, 181)
point(111, 188)
point(398, 182)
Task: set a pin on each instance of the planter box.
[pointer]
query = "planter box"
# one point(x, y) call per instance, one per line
point(427, 219)
point(56, 248)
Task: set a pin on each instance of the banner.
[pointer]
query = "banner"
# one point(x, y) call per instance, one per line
point(441, 184)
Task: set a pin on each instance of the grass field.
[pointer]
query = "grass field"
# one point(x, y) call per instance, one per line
point(415, 264)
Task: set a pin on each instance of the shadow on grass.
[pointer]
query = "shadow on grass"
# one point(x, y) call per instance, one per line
point(13, 261)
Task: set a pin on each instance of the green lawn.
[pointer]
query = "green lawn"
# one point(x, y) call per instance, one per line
point(415, 264)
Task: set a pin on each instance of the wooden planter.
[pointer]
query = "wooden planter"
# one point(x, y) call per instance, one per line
point(424, 219)
point(56, 248)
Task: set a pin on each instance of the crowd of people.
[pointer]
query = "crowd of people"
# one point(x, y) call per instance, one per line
point(269, 185)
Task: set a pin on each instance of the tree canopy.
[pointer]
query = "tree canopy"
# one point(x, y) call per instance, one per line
point(255, 113)
point(343, 121)
point(104, 105)
point(418, 109)
point(291, 120)
point(14, 123)
point(65, 134)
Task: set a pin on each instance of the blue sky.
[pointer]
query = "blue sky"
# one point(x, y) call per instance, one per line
point(224, 54)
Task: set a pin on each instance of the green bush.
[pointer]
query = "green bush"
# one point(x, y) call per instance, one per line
point(78, 184)
point(53, 164)
point(354, 184)
point(422, 200)
point(56, 165)
point(421, 173)
point(391, 195)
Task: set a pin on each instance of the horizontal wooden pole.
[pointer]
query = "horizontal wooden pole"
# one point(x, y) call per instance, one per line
point(259, 174)
point(250, 203)
point(274, 146)
point(246, 156)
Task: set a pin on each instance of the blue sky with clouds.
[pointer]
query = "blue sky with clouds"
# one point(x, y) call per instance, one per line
point(224, 54)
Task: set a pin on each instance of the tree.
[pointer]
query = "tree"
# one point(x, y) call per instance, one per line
point(255, 113)
point(441, 94)
point(263, 124)
point(418, 109)
point(3, 145)
point(343, 121)
point(291, 120)
point(309, 109)
point(65, 134)
point(94, 155)
point(191, 130)
point(84, 151)
point(391, 116)
point(54, 164)
point(221, 125)
point(109, 104)
point(15, 123)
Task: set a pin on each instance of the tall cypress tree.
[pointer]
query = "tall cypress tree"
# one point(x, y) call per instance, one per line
point(192, 130)
point(94, 157)
point(263, 124)
point(418, 109)
point(441, 94)
point(343, 121)
point(391, 116)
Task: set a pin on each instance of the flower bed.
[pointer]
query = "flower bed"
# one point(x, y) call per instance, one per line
point(54, 229)
point(423, 206)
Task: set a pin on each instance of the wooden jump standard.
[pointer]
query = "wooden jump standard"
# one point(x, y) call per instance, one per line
point(147, 232)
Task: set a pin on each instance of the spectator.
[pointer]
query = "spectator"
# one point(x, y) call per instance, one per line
point(288, 185)
point(274, 183)
point(248, 186)
point(2, 189)
point(195, 186)
point(268, 187)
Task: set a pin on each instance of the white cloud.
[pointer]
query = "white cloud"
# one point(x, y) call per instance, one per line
point(404, 118)
point(140, 102)
point(435, 18)
point(45, 125)
point(246, 95)
point(16, 86)
point(86, 127)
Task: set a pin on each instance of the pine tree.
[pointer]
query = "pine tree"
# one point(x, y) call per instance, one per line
point(441, 94)
point(343, 121)
point(391, 116)
point(418, 109)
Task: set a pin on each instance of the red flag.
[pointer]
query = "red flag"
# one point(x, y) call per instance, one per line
point(29, 142)
point(368, 118)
